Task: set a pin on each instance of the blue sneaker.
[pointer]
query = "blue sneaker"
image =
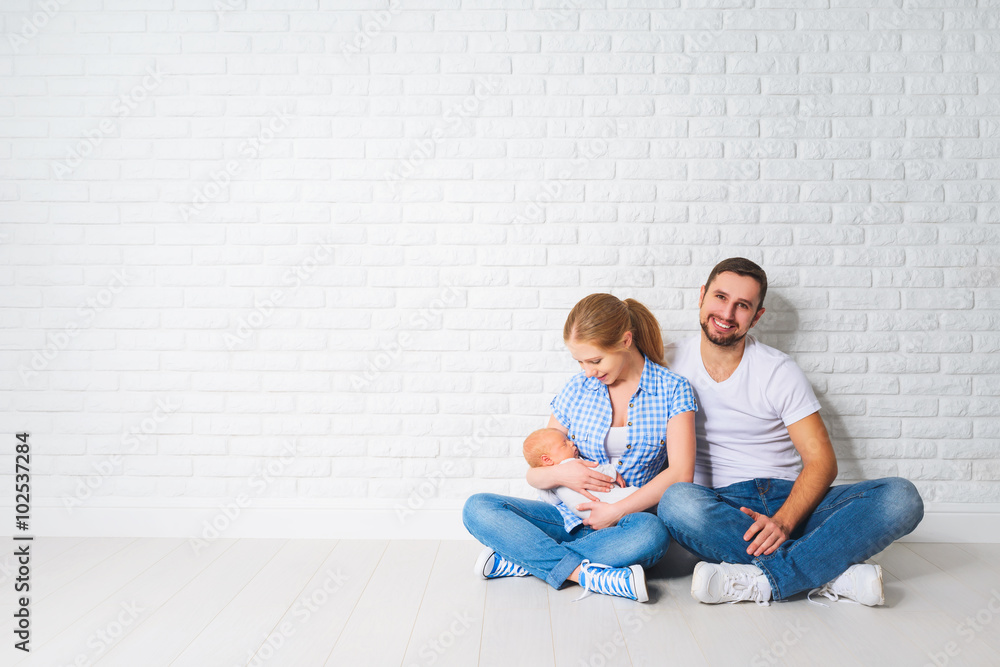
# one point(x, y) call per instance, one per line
point(491, 565)
point(625, 582)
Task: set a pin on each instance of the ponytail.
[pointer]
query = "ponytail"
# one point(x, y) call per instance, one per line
point(603, 319)
point(646, 331)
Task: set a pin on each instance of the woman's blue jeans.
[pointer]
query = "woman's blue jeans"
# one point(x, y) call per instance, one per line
point(853, 522)
point(531, 534)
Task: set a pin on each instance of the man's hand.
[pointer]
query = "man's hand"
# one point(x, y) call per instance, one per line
point(602, 515)
point(770, 534)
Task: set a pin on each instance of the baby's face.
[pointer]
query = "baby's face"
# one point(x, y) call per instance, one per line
point(562, 449)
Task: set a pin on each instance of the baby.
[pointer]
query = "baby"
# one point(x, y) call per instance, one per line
point(549, 447)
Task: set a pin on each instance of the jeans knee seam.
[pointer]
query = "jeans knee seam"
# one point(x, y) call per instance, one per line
point(840, 501)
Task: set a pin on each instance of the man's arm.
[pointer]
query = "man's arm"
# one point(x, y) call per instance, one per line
point(819, 468)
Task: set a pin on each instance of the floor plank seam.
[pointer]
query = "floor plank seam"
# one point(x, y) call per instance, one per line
point(143, 621)
point(354, 607)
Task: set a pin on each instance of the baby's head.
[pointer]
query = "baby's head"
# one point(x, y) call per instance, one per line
point(547, 447)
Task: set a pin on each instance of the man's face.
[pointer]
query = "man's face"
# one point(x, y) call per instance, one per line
point(728, 308)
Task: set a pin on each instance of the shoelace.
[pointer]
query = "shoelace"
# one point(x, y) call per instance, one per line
point(742, 587)
point(826, 590)
point(611, 581)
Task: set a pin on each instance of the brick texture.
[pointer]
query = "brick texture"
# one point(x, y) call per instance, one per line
point(324, 249)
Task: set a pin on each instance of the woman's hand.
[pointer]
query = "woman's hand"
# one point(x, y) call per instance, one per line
point(602, 515)
point(680, 453)
point(580, 476)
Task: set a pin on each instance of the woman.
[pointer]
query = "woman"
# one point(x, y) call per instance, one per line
point(625, 407)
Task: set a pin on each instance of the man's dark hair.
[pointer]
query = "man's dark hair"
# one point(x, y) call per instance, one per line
point(741, 267)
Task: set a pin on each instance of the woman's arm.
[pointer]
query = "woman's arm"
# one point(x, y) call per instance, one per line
point(580, 478)
point(680, 455)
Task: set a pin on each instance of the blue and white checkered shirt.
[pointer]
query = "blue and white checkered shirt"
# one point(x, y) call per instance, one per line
point(584, 408)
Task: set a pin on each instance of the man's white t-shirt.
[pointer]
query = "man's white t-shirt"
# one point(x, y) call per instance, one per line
point(741, 422)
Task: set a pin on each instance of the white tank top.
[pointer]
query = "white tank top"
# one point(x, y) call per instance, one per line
point(614, 443)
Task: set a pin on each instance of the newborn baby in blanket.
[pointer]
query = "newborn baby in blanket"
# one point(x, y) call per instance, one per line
point(549, 447)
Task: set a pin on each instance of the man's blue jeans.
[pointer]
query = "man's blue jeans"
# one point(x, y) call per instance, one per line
point(531, 534)
point(853, 522)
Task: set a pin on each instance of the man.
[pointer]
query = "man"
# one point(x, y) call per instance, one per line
point(766, 525)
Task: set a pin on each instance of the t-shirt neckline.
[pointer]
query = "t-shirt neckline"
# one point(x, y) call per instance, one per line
point(749, 340)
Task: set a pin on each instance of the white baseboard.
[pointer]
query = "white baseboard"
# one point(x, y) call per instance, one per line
point(958, 523)
point(382, 520)
point(258, 519)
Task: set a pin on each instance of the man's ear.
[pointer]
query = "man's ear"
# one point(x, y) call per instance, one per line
point(701, 296)
point(756, 317)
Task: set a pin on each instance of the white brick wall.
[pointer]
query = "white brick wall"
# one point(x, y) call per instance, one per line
point(322, 251)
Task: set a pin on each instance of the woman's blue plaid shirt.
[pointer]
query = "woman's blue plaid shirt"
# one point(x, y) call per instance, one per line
point(584, 408)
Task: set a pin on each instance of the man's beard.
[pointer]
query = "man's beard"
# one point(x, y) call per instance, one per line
point(727, 341)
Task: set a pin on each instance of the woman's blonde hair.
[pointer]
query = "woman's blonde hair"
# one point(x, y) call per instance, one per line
point(602, 319)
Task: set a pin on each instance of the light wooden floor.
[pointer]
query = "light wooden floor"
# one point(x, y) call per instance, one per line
point(148, 602)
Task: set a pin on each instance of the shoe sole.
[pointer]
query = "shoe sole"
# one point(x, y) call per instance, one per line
point(881, 588)
point(639, 581)
point(480, 570)
point(695, 577)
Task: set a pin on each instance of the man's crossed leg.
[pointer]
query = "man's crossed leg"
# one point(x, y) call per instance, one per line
point(851, 523)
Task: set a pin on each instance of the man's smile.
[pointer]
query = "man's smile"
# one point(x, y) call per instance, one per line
point(721, 325)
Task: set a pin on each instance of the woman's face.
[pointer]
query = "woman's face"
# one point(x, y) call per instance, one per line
point(605, 365)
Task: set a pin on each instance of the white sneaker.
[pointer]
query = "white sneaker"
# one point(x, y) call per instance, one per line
point(729, 582)
point(861, 583)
